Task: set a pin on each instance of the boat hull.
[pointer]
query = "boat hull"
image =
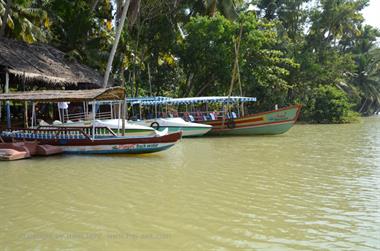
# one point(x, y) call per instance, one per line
point(100, 145)
point(187, 131)
point(175, 125)
point(266, 123)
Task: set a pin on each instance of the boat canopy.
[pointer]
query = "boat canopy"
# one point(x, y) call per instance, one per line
point(187, 101)
point(144, 100)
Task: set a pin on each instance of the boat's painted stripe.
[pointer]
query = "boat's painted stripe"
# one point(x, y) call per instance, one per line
point(250, 121)
point(185, 128)
point(126, 148)
point(257, 125)
point(237, 121)
point(262, 130)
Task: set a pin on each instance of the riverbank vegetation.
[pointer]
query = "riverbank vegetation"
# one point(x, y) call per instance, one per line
point(316, 53)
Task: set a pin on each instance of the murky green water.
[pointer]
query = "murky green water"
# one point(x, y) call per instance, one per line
point(314, 188)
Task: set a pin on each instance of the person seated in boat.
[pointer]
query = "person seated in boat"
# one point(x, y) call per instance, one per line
point(212, 116)
point(149, 115)
point(198, 116)
point(186, 116)
point(191, 118)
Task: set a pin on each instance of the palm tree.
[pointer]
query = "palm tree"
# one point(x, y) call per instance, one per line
point(24, 22)
point(119, 29)
point(4, 20)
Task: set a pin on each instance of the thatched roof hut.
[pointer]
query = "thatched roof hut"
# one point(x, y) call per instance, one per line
point(113, 93)
point(41, 65)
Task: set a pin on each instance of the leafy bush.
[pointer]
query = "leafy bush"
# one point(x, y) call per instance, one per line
point(331, 105)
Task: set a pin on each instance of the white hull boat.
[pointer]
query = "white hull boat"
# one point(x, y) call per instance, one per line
point(174, 125)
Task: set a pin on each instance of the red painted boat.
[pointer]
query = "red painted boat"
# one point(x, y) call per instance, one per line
point(79, 140)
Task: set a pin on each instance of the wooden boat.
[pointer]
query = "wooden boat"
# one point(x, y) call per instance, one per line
point(77, 140)
point(265, 123)
point(11, 151)
point(231, 120)
point(87, 140)
point(11, 154)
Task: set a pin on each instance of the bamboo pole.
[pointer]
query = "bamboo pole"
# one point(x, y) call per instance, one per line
point(8, 108)
point(235, 69)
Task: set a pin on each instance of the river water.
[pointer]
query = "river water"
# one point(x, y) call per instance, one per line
point(316, 187)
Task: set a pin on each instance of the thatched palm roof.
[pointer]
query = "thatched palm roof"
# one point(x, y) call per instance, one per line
point(43, 65)
point(114, 93)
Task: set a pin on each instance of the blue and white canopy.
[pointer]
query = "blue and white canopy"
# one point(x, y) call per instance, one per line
point(187, 101)
point(147, 100)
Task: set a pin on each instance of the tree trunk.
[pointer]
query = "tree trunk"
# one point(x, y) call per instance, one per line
point(212, 8)
point(5, 18)
point(94, 4)
point(189, 85)
point(114, 47)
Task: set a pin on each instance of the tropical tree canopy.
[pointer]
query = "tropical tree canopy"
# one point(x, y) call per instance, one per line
point(317, 53)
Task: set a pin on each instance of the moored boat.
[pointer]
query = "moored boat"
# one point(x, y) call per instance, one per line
point(79, 140)
point(228, 115)
point(91, 139)
point(164, 120)
point(174, 125)
point(265, 123)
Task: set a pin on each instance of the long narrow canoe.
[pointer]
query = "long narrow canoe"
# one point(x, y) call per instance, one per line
point(272, 122)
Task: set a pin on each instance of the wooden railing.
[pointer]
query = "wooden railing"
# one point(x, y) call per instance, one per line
point(53, 133)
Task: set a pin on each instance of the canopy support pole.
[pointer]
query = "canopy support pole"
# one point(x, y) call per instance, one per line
point(33, 114)
point(26, 114)
point(8, 108)
point(119, 117)
point(93, 119)
point(111, 110)
point(123, 121)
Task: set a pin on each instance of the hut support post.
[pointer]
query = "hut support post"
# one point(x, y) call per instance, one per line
point(93, 119)
point(7, 103)
point(26, 114)
point(33, 114)
point(123, 118)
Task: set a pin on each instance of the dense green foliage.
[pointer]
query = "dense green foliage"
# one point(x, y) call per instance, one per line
point(317, 53)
